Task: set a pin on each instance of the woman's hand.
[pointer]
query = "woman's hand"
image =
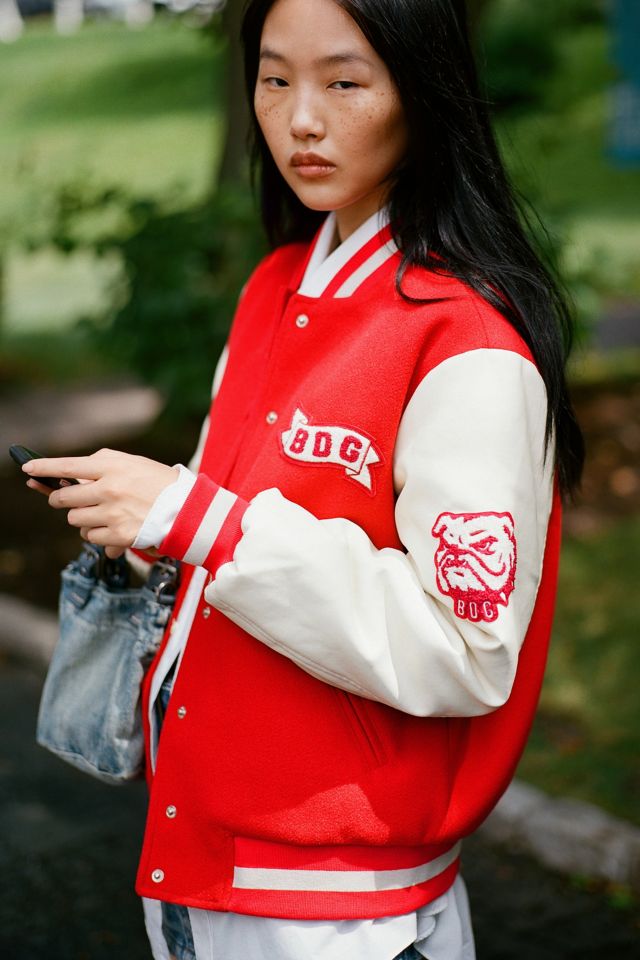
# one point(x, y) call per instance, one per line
point(115, 494)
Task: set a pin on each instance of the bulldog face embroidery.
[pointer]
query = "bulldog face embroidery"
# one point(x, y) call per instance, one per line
point(476, 562)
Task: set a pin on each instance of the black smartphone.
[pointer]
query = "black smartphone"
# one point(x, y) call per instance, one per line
point(22, 455)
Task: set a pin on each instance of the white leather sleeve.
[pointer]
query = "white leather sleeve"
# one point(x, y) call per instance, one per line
point(435, 631)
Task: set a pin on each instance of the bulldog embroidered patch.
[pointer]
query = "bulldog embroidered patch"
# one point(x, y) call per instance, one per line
point(476, 562)
point(334, 445)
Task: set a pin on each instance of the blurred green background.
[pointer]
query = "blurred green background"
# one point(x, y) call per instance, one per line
point(118, 229)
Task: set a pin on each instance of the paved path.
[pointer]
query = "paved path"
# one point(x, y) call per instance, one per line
point(57, 419)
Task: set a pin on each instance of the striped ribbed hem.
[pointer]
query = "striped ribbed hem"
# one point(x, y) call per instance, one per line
point(207, 528)
point(338, 883)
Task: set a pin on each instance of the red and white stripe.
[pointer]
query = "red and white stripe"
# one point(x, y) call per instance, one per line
point(355, 881)
point(340, 273)
point(208, 526)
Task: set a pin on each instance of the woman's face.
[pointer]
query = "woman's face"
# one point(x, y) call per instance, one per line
point(329, 109)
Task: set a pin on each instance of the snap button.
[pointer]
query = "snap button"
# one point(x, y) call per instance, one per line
point(206, 612)
point(171, 811)
point(302, 320)
point(157, 876)
point(182, 712)
point(272, 416)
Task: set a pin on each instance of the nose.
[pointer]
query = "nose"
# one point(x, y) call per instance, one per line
point(306, 120)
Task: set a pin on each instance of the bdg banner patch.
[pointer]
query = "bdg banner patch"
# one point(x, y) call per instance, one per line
point(335, 445)
point(476, 562)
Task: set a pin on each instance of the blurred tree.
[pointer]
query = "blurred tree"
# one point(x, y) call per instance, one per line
point(518, 52)
point(477, 10)
point(233, 168)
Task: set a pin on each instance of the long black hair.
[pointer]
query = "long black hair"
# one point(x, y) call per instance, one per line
point(450, 200)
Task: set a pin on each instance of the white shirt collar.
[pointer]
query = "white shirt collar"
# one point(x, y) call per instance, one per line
point(323, 267)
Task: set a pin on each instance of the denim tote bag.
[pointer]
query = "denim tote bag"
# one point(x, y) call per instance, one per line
point(90, 713)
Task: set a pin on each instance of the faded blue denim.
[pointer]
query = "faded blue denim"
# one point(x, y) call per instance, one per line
point(90, 711)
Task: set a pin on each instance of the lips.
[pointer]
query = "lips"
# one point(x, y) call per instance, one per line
point(311, 166)
point(308, 159)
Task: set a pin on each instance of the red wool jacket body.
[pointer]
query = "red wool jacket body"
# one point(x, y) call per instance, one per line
point(381, 530)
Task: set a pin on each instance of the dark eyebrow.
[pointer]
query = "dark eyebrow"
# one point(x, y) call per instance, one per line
point(267, 54)
point(348, 56)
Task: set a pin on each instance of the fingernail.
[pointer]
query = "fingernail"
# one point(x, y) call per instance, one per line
point(27, 467)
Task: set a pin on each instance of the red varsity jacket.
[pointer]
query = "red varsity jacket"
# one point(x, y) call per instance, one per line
point(381, 530)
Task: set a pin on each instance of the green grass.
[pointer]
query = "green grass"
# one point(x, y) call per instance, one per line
point(137, 107)
point(586, 738)
point(107, 106)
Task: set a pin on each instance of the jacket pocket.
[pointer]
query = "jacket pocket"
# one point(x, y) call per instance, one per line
point(361, 723)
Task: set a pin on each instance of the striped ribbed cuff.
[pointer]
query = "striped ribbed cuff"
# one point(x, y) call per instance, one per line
point(207, 528)
point(142, 555)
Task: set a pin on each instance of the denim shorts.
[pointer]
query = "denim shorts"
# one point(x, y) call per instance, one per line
point(176, 926)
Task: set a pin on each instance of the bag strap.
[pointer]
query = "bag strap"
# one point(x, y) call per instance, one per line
point(95, 565)
point(162, 581)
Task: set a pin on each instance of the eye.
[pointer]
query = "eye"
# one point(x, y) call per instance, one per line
point(276, 82)
point(343, 85)
point(486, 545)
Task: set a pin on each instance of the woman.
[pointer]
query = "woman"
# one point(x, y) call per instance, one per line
point(370, 529)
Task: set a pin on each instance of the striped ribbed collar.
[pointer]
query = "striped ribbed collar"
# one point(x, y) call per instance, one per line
point(342, 272)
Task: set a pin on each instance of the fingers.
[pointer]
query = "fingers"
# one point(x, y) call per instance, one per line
point(72, 467)
point(100, 536)
point(39, 487)
point(85, 468)
point(106, 537)
point(103, 537)
point(114, 552)
point(88, 517)
point(67, 498)
point(115, 493)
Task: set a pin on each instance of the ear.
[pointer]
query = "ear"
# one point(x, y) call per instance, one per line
point(508, 525)
point(441, 524)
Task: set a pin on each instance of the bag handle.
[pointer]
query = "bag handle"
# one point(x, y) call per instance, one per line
point(162, 582)
point(95, 565)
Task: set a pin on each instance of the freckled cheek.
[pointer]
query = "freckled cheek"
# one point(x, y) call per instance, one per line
point(269, 115)
point(379, 114)
point(357, 128)
point(364, 133)
point(274, 127)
